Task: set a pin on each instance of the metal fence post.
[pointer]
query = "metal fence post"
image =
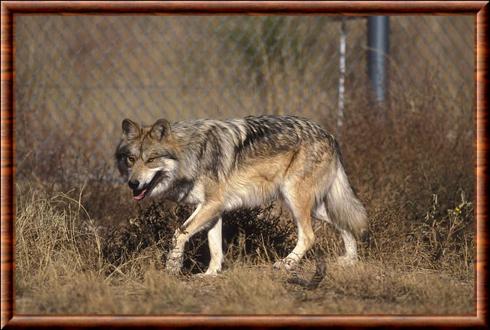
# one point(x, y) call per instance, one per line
point(378, 47)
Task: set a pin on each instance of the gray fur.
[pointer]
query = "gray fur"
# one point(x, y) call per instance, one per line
point(222, 165)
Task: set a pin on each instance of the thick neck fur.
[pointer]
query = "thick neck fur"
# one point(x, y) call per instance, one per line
point(203, 147)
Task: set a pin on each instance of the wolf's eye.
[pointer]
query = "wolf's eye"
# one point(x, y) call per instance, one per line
point(131, 159)
point(152, 159)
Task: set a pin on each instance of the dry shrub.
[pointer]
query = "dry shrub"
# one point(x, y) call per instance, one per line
point(411, 163)
point(250, 235)
point(152, 225)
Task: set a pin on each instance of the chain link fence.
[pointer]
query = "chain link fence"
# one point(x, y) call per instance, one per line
point(77, 77)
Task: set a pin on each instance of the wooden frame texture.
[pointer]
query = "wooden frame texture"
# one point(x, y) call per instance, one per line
point(9, 9)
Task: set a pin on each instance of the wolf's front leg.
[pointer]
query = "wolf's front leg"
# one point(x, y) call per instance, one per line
point(197, 221)
point(176, 256)
point(215, 242)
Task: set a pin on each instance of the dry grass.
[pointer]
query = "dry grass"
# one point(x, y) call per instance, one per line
point(61, 270)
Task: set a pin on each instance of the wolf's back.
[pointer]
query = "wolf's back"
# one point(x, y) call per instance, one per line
point(343, 206)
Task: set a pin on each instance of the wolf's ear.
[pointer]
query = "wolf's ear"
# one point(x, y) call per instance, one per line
point(160, 129)
point(130, 129)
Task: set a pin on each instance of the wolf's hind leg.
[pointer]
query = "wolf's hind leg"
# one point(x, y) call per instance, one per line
point(320, 212)
point(350, 256)
point(215, 248)
point(300, 205)
point(350, 244)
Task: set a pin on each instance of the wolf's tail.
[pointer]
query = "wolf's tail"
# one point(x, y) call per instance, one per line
point(343, 206)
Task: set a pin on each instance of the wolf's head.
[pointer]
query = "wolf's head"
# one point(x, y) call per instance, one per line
point(147, 157)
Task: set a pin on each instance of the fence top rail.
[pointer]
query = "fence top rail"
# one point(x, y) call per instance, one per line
point(245, 7)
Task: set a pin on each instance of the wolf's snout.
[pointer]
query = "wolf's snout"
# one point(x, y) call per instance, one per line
point(133, 184)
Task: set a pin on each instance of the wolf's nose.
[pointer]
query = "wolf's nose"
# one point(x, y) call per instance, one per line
point(133, 184)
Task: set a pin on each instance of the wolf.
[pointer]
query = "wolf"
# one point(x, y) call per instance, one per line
point(221, 165)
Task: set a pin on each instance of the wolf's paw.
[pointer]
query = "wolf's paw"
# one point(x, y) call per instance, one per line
point(346, 261)
point(212, 272)
point(286, 264)
point(207, 274)
point(366, 236)
point(173, 266)
point(172, 270)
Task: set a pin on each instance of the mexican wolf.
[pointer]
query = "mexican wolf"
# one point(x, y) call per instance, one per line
point(224, 165)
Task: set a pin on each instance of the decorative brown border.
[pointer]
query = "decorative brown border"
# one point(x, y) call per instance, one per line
point(11, 8)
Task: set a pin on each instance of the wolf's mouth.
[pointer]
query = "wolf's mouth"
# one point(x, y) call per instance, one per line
point(139, 194)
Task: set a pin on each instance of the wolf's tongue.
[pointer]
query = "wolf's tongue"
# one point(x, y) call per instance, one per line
point(140, 196)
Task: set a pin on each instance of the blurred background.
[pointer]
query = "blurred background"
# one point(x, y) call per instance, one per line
point(77, 77)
